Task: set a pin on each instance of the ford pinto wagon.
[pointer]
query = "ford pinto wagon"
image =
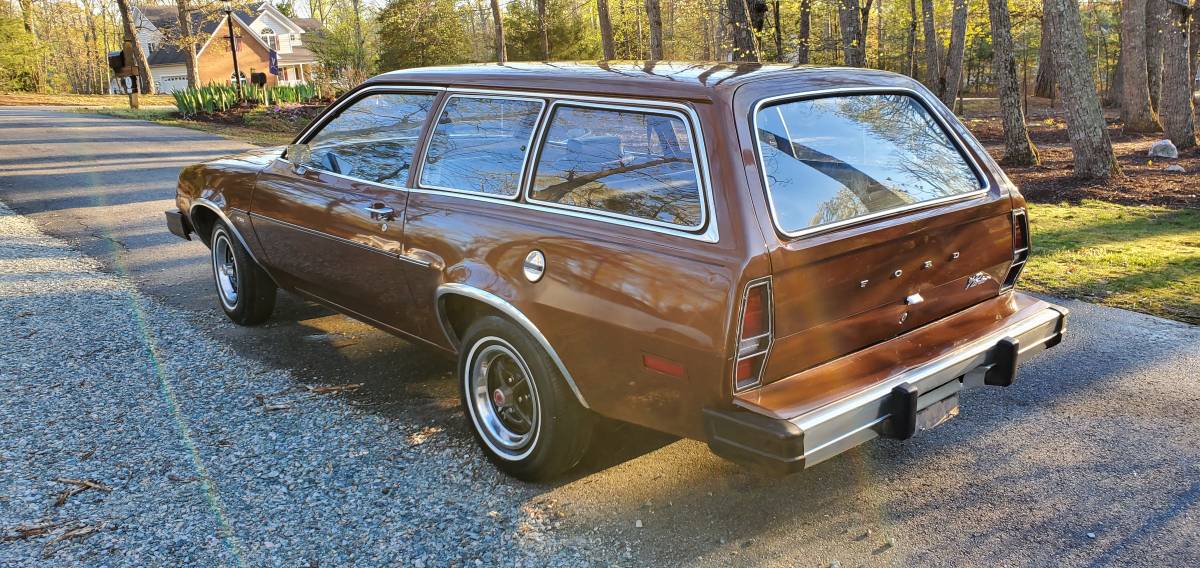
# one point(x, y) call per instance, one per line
point(784, 262)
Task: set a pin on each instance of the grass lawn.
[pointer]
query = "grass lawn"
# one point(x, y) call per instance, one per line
point(39, 99)
point(263, 135)
point(1141, 258)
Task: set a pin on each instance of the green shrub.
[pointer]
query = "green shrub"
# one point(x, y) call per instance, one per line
point(218, 98)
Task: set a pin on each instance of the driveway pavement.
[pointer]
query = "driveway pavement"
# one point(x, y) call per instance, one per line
point(1090, 459)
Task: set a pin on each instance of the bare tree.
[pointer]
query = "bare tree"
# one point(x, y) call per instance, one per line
point(952, 72)
point(498, 22)
point(187, 43)
point(910, 55)
point(850, 22)
point(805, 31)
point(1018, 149)
point(1176, 107)
point(1044, 84)
point(542, 29)
point(1156, 21)
point(145, 80)
point(933, 46)
point(1136, 112)
point(654, 18)
point(779, 32)
point(606, 34)
point(1090, 143)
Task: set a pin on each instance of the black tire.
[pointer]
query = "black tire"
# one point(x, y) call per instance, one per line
point(561, 427)
point(252, 297)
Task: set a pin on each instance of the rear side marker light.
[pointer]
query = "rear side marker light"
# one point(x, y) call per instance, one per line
point(754, 335)
point(662, 365)
point(1021, 243)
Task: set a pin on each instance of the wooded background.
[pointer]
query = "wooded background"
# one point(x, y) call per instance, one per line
point(1136, 55)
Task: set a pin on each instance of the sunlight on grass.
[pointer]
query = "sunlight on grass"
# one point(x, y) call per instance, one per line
point(249, 134)
point(1138, 258)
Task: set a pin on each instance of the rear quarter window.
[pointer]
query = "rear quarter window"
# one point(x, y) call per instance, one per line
point(834, 159)
point(629, 163)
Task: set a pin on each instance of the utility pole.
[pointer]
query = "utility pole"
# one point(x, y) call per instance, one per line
point(237, 74)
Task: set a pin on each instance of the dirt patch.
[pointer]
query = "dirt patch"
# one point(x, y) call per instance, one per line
point(1146, 181)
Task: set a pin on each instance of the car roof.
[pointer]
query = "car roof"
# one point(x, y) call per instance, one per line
point(656, 79)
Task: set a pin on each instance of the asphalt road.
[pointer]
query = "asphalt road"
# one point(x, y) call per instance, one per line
point(1090, 459)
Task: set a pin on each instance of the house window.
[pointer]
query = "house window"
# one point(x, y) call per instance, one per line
point(269, 38)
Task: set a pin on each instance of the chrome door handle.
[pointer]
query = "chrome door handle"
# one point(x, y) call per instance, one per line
point(381, 212)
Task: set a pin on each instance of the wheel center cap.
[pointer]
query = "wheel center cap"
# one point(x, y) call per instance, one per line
point(498, 397)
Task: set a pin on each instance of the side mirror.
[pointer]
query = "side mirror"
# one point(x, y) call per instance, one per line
point(298, 155)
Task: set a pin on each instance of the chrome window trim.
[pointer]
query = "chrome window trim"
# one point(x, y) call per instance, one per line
point(541, 140)
point(533, 133)
point(356, 96)
point(511, 311)
point(710, 234)
point(333, 113)
point(952, 133)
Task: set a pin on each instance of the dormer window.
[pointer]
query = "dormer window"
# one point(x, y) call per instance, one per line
point(269, 38)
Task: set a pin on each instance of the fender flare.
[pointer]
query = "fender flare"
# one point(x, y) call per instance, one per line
point(513, 313)
point(200, 202)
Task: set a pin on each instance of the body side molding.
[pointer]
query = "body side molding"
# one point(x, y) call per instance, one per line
point(510, 311)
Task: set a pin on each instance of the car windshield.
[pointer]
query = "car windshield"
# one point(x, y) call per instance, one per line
point(833, 159)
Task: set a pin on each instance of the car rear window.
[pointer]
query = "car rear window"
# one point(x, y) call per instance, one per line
point(835, 159)
point(629, 163)
point(479, 144)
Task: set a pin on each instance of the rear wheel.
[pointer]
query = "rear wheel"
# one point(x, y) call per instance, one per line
point(246, 293)
point(522, 411)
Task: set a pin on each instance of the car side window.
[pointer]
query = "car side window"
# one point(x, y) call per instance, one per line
point(479, 144)
point(373, 139)
point(627, 162)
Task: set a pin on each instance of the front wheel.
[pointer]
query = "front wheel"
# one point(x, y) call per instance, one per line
point(521, 409)
point(246, 293)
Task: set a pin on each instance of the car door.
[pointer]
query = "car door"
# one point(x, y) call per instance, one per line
point(330, 216)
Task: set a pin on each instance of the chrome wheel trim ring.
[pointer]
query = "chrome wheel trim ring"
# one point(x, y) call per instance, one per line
point(481, 405)
point(225, 269)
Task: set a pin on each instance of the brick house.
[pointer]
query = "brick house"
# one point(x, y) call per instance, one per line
point(260, 29)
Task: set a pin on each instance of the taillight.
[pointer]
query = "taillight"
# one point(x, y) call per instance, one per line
point(754, 335)
point(1020, 228)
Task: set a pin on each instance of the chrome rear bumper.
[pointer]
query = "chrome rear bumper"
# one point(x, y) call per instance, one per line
point(887, 408)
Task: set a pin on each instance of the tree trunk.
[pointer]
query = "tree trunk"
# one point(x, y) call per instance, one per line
point(1044, 84)
point(606, 36)
point(498, 21)
point(910, 55)
point(952, 75)
point(145, 80)
point(805, 31)
point(1018, 149)
point(933, 47)
point(740, 31)
point(1136, 112)
point(187, 43)
point(1177, 109)
point(1194, 42)
point(1156, 19)
point(542, 29)
point(850, 21)
point(1090, 144)
point(654, 18)
point(779, 33)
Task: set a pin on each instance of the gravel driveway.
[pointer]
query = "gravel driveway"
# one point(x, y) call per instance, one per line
point(199, 457)
point(193, 442)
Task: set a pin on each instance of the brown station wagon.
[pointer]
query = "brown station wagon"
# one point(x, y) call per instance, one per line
point(782, 261)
